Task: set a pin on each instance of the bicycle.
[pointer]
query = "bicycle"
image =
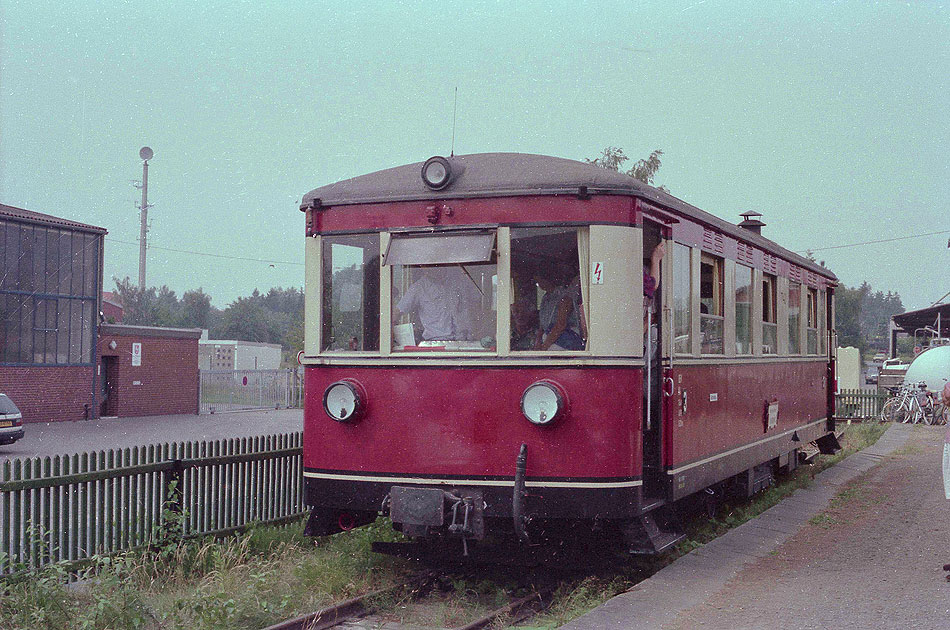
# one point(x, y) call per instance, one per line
point(913, 405)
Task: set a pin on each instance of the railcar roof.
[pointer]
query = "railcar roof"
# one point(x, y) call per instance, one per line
point(515, 174)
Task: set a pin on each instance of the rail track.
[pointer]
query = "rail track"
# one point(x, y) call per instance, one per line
point(373, 610)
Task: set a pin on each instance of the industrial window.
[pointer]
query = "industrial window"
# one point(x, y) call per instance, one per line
point(769, 317)
point(48, 294)
point(811, 332)
point(711, 304)
point(682, 294)
point(743, 309)
point(794, 317)
point(351, 292)
point(547, 311)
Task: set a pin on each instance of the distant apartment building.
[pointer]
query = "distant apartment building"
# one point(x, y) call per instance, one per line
point(231, 354)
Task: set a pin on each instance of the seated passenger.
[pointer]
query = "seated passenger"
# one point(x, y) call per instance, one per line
point(524, 326)
point(560, 327)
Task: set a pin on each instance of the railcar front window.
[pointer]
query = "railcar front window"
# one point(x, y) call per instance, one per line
point(444, 307)
point(547, 312)
point(743, 309)
point(444, 291)
point(351, 293)
point(710, 304)
point(794, 318)
point(682, 294)
point(769, 317)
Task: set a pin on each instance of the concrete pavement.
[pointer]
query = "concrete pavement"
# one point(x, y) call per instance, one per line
point(868, 557)
point(64, 438)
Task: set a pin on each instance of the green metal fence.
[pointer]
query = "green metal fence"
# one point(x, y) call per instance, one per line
point(72, 507)
point(863, 404)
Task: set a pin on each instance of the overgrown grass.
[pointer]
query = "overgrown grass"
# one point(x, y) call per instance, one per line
point(248, 581)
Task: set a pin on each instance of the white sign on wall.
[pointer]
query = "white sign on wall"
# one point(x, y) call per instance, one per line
point(136, 354)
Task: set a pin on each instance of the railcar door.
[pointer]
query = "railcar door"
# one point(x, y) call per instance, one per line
point(656, 361)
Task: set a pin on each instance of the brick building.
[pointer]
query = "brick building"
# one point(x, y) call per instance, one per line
point(50, 287)
point(147, 371)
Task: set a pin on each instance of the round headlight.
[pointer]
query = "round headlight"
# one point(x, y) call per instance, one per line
point(343, 402)
point(543, 403)
point(436, 172)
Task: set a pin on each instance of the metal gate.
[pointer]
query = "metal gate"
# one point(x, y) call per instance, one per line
point(236, 390)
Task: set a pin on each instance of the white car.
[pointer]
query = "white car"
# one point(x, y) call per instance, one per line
point(11, 421)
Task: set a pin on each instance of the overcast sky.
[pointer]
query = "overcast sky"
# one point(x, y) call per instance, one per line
point(832, 119)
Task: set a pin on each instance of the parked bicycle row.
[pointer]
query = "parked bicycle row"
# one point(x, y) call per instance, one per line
point(915, 404)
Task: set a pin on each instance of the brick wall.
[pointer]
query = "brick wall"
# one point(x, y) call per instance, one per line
point(49, 393)
point(167, 381)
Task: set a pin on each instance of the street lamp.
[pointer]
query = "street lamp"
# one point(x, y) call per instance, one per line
point(146, 154)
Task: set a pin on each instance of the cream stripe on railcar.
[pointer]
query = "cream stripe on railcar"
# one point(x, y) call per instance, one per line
point(472, 482)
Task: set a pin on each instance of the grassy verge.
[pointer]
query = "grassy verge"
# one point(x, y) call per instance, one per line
point(248, 581)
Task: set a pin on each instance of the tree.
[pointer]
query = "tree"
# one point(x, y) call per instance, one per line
point(612, 158)
point(246, 319)
point(196, 309)
point(862, 316)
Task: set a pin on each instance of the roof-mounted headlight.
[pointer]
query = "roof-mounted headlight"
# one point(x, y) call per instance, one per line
point(344, 402)
point(543, 402)
point(436, 172)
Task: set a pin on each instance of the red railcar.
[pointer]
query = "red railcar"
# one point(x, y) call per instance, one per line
point(490, 347)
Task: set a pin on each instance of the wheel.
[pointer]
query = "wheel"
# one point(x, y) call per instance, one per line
point(928, 412)
point(940, 414)
point(894, 411)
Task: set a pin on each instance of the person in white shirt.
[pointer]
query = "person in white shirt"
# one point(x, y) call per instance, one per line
point(444, 299)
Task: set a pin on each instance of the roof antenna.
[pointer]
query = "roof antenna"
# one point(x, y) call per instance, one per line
point(454, 112)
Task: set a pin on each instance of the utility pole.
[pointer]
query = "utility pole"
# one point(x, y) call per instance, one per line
point(146, 154)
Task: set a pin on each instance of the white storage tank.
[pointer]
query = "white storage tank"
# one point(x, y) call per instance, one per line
point(931, 367)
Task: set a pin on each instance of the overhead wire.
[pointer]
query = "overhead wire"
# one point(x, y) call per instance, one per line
point(197, 253)
point(883, 240)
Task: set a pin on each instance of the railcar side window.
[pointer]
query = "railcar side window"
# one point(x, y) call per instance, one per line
point(351, 292)
point(710, 304)
point(444, 291)
point(769, 317)
point(794, 317)
point(682, 294)
point(743, 309)
point(822, 319)
point(812, 331)
point(547, 311)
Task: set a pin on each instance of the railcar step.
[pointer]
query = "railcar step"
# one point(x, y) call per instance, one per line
point(644, 537)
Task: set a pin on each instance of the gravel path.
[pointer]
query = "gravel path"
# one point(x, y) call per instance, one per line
point(871, 560)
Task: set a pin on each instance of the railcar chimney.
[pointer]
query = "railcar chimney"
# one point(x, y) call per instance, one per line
point(750, 222)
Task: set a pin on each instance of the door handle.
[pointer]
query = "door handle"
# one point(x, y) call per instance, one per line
point(668, 381)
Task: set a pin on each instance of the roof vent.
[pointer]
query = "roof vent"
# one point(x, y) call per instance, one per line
point(750, 222)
